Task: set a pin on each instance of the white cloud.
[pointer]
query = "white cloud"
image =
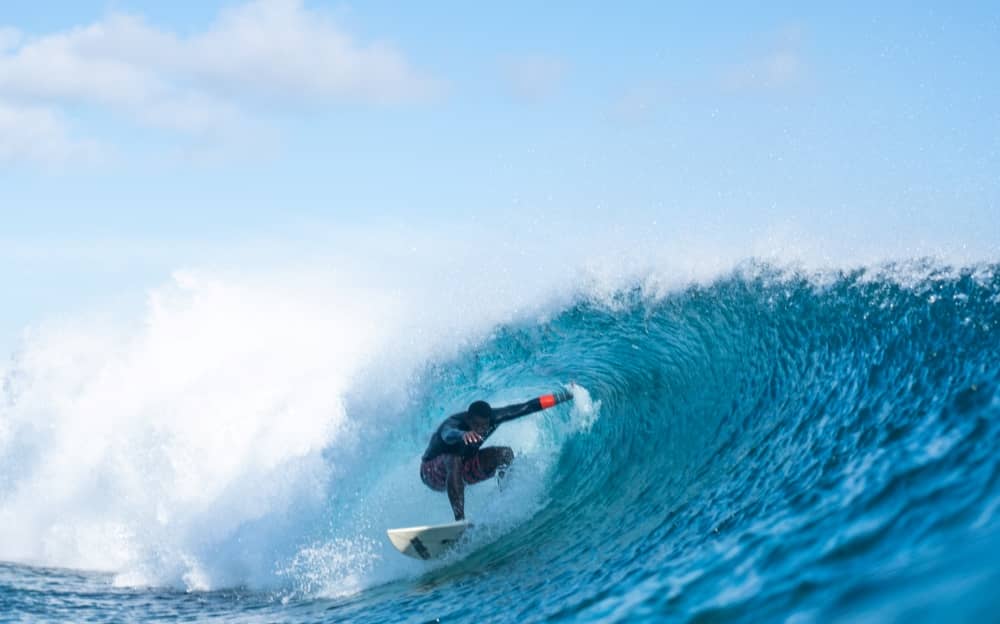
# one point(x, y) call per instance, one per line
point(40, 136)
point(9, 38)
point(208, 81)
point(781, 66)
point(534, 77)
point(772, 71)
point(279, 48)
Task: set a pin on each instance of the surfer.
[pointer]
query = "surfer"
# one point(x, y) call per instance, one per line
point(454, 455)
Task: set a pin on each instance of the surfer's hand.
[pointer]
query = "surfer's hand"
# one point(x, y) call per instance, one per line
point(471, 437)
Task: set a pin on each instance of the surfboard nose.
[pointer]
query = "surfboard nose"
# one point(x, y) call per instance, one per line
point(427, 542)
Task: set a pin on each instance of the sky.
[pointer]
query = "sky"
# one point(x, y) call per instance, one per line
point(140, 137)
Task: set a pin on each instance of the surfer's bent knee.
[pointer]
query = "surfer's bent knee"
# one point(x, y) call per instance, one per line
point(506, 455)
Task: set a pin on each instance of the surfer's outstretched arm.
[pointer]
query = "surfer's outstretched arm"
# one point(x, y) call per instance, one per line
point(510, 412)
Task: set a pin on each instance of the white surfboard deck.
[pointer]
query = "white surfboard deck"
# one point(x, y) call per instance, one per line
point(427, 542)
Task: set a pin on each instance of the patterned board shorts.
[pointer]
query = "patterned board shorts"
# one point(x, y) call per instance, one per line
point(434, 472)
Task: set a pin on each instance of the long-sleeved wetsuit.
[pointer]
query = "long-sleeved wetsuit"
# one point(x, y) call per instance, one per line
point(448, 437)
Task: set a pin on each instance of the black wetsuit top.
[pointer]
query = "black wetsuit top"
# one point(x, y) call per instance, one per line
point(448, 437)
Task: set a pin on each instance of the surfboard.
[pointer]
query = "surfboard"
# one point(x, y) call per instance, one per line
point(427, 542)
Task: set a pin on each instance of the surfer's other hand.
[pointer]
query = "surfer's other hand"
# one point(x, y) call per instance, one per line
point(471, 437)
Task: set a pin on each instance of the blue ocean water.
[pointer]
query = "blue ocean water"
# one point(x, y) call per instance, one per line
point(768, 445)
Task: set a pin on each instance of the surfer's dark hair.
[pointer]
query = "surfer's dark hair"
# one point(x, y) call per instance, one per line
point(481, 409)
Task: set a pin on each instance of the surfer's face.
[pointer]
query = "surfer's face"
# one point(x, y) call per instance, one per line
point(479, 425)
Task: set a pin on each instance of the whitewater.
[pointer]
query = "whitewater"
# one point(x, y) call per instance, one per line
point(753, 438)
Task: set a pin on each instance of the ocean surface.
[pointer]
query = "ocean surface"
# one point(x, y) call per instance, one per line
point(764, 444)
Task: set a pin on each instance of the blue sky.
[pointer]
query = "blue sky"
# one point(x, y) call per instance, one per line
point(136, 137)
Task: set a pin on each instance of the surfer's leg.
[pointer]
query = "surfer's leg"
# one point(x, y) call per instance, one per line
point(456, 486)
point(484, 464)
point(506, 459)
point(434, 473)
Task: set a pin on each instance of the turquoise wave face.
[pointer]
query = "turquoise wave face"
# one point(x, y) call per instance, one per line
point(767, 446)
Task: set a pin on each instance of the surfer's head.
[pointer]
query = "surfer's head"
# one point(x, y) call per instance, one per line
point(480, 414)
